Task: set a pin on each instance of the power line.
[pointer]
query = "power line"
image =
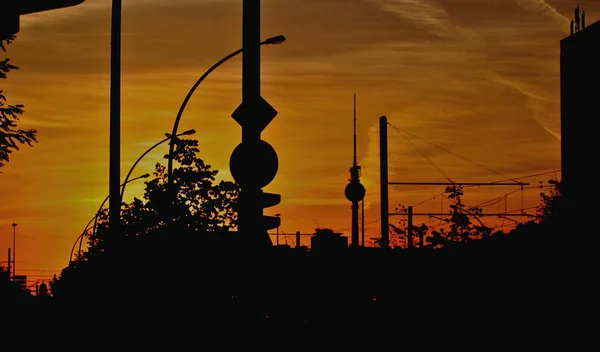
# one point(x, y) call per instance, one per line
point(349, 228)
point(540, 174)
point(516, 178)
point(448, 151)
point(424, 156)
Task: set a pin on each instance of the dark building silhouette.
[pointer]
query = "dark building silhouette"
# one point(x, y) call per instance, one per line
point(580, 107)
point(327, 240)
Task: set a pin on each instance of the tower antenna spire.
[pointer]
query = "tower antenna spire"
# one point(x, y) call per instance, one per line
point(354, 160)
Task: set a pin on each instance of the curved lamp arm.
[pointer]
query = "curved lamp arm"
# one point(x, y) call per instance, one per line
point(183, 105)
point(274, 40)
point(186, 133)
point(135, 164)
point(95, 220)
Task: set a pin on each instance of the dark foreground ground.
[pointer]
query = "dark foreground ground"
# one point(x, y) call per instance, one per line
point(541, 295)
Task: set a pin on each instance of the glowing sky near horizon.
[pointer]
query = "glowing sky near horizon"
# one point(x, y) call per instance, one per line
point(472, 85)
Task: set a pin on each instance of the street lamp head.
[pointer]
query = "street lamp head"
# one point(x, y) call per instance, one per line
point(275, 40)
point(145, 176)
point(188, 132)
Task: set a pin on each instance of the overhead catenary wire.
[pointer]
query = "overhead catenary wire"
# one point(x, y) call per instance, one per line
point(424, 156)
point(453, 153)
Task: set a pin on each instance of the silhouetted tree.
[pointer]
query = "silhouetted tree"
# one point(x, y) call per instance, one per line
point(10, 136)
point(399, 234)
point(461, 227)
point(177, 230)
point(201, 204)
point(550, 210)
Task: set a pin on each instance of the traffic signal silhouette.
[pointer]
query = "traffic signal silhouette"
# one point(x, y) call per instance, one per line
point(269, 200)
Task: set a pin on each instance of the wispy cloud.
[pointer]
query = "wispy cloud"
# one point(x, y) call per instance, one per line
point(427, 15)
point(88, 6)
point(538, 103)
point(557, 135)
point(544, 7)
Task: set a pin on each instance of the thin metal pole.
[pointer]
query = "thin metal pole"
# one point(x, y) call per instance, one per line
point(362, 220)
point(279, 216)
point(409, 244)
point(115, 120)
point(9, 264)
point(14, 251)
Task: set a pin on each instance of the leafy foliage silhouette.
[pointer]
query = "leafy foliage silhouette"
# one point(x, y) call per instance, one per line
point(202, 210)
point(460, 226)
point(10, 136)
point(550, 211)
point(201, 204)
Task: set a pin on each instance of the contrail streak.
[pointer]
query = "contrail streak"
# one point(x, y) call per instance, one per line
point(545, 6)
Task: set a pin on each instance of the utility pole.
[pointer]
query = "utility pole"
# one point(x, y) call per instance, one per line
point(114, 215)
point(383, 182)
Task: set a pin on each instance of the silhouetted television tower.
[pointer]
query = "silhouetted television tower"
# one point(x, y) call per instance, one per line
point(355, 191)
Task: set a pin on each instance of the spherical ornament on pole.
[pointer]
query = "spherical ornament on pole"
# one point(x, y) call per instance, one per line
point(355, 191)
point(253, 164)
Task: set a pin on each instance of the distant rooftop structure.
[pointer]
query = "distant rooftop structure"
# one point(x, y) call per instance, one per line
point(327, 240)
point(578, 23)
point(581, 30)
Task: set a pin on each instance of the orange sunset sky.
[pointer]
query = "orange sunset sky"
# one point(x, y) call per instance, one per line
point(478, 78)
